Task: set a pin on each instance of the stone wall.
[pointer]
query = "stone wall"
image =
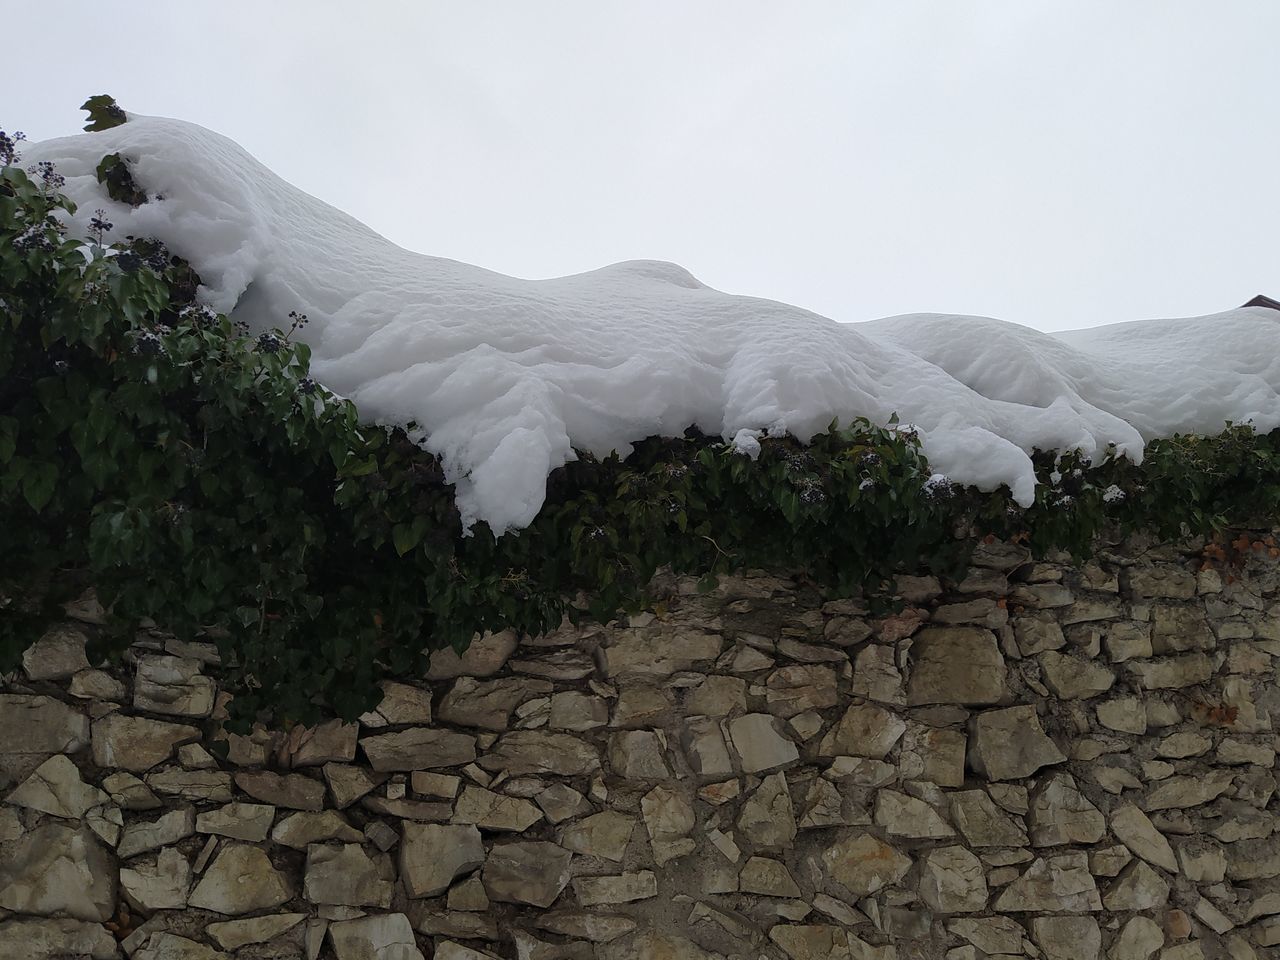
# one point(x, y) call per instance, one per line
point(1039, 761)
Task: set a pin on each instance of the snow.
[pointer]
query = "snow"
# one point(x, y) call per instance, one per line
point(508, 376)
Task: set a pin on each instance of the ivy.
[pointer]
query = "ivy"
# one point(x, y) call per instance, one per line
point(198, 476)
point(113, 172)
point(104, 113)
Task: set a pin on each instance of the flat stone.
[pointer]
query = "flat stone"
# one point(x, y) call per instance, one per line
point(1178, 793)
point(643, 704)
point(863, 863)
point(651, 945)
point(1137, 888)
point(767, 817)
point(904, 816)
point(1074, 678)
point(1067, 938)
point(493, 811)
point(1124, 715)
point(300, 830)
point(31, 939)
point(768, 878)
point(1061, 814)
point(593, 925)
point(457, 923)
point(606, 834)
point(55, 788)
point(136, 743)
point(428, 784)
point(956, 665)
point(669, 820)
point(800, 687)
point(347, 784)
point(1184, 744)
point(1171, 674)
point(485, 656)
point(760, 744)
point(401, 704)
point(129, 793)
point(525, 752)
point(405, 809)
point(627, 888)
point(1202, 861)
point(823, 806)
point(234, 934)
point(487, 704)
point(1060, 884)
point(991, 935)
point(432, 855)
point(705, 747)
point(57, 869)
point(1140, 938)
point(952, 881)
point(292, 791)
point(933, 754)
point(717, 696)
point(240, 821)
point(40, 725)
point(529, 947)
point(167, 684)
point(1010, 744)
point(1135, 830)
point(329, 742)
point(141, 836)
point(530, 872)
point(1127, 640)
point(638, 755)
point(58, 654)
point(97, 685)
point(642, 653)
point(345, 875)
point(448, 950)
point(418, 748)
point(876, 675)
point(865, 730)
point(385, 936)
point(578, 712)
point(1036, 636)
point(468, 895)
point(159, 885)
point(241, 879)
point(561, 802)
point(163, 945)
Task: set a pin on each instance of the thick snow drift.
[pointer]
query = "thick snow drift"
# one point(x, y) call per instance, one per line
point(508, 376)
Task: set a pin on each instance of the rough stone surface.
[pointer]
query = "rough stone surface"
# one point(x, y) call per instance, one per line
point(956, 665)
point(58, 870)
point(529, 872)
point(1037, 759)
point(431, 855)
point(241, 879)
point(1009, 744)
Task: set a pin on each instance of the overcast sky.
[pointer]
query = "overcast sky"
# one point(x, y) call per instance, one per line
point(1058, 164)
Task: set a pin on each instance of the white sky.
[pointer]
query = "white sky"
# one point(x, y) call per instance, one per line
point(1058, 164)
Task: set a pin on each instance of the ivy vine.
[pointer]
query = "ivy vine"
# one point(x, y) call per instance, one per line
point(198, 476)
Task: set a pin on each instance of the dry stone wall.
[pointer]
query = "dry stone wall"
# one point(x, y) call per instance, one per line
point(1042, 760)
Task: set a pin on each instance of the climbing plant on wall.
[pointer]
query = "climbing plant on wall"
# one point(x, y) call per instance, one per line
point(197, 476)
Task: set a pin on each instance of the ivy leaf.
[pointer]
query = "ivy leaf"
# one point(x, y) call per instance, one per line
point(38, 483)
point(406, 536)
point(104, 113)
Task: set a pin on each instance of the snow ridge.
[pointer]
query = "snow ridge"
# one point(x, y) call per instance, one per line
point(507, 376)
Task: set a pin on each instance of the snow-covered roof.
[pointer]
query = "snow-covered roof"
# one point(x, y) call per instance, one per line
point(508, 376)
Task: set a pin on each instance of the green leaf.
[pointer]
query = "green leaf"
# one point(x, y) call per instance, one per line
point(104, 113)
point(38, 484)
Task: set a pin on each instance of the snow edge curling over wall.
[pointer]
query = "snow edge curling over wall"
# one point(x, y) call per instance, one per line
point(1041, 760)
